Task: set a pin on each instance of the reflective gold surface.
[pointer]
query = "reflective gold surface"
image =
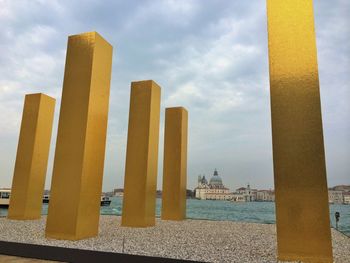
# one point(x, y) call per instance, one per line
point(32, 155)
point(175, 164)
point(140, 182)
point(74, 207)
point(302, 213)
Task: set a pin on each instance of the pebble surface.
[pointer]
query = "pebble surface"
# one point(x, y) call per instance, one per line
point(200, 240)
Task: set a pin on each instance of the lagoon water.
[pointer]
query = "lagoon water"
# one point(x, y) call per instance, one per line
point(255, 212)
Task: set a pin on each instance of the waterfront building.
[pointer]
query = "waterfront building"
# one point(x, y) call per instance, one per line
point(214, 190)
point(238, 197)
point(265, 196)
point(245, 194)
point(5, 194)
point(346, 198)
point(343, 188)
point(118, 192)
point(335, 197)
point(339, 194)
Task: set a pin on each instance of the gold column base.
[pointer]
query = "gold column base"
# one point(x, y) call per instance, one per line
point(293, 257)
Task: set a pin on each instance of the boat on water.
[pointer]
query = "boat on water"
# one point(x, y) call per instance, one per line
point(5, 197)
point(105, 201)
point(5, 194)
point(46, 199)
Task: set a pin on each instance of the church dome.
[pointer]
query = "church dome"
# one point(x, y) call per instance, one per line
point(216, 180)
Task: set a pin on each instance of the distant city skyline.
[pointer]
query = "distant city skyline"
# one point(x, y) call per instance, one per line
point(208, 56)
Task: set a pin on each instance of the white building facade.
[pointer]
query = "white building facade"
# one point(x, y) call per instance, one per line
point(214, 190)
point(346, 198)
point(265, 196)
point(245, 194)
point(335, 197)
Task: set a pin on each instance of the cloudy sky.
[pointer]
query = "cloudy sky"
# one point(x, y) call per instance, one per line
point(209, 56)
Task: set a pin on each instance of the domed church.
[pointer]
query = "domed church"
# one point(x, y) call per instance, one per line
point(214, 190)
point(216, 181)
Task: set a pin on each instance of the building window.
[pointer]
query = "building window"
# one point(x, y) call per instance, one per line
point(5, 195)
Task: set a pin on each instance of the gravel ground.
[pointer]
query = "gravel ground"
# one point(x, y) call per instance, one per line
point(201, 240)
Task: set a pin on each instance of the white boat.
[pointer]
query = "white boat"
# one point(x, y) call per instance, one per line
point(46, 199)
point(105, 201)
point(5, 197)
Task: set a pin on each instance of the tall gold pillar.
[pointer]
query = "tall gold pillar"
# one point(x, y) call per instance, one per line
point(175, 164)
point(140, 182)
point(32, 155)
point(302, 212)
point(76, 185)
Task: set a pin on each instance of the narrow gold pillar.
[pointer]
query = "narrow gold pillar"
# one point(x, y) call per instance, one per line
point(32, 155)
point(175, 164)
point(140, 182)
point(302, 212)
point(76, 185)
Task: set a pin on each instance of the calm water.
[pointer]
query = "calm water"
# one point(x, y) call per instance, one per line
point(256, 212)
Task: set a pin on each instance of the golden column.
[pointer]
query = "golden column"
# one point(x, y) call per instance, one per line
point(140, 182)
point(175, 164)
point(74, 208)
point(302, 212)
point(32, 155)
